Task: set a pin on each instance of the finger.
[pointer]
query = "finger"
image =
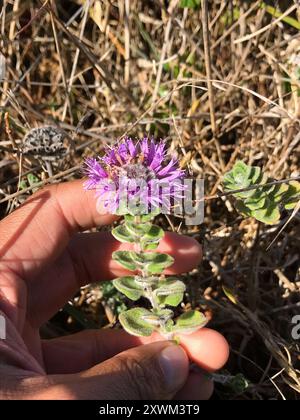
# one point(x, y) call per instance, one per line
point(90, 347)
point(207, 348)
point(197, 387)
point(88, 259)
point(38, 231)
point(155, 371)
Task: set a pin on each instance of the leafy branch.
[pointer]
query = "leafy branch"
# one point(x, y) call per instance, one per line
point(259, 196)
point(149, 282)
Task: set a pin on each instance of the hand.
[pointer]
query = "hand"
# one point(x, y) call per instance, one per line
point(43, 262)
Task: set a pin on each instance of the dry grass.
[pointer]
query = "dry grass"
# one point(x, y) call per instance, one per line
point(221, 83)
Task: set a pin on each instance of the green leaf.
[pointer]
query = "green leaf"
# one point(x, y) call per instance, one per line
point(129, 287)
point(169, 326)
point(228, 181)
point(255, 174)
point(149, 246)
point(241, 174)
point(154, 234)
point(146, 281)
point(229, 293)
point(164, 315)
point(129, 218)
point(241, 208)
point(146, 234)
point(150, 216)
point(155, 262)
point(253, 203)
point(270, 214)
point(291, 205)
point(255, 191)
point(276, 195)
point(158, 317)
point(23, 184)
point(151, 262)
point(264, 201)
point(32, 179)
point(238, 177)
point(292, 196)
point(133, 322)
point(122, 234)
point(189, 322)
point(143, 218)
point(170, 292)
point(189, 4)
point(138, 229)
point(172, 300)
point(277, 13)
point(126, 259)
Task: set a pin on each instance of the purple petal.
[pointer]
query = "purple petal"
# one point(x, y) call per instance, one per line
point(131, 147)
point(122, 152)
point(151, 152)
point(95, 173)
point(172, 165)
point(159, 155)
point(144, 146)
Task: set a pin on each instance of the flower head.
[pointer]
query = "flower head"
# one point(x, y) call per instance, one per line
point(139, 172)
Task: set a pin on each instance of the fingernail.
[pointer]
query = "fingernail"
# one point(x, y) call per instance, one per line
point(174, 365)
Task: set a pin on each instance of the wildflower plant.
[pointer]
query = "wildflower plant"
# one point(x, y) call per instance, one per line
point(260, 197)
point(136, 180)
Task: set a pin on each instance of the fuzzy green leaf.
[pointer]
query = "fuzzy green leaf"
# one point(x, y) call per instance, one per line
point(170, 292)
point(241, 172)
point(189, 322)
point(158, 317)
point(276, 195)
point(291, 205)
point(255, 175)
point(269, 214)
point(154, 262)
point(126, 259)
point(122, 234)
point(164, 314)
point(133, 322)
point(257, 202)
point(147, 281)
point(138, 229)
point(255, 191)
point(129, 287)
point(236, 179)
point(243, 176)
point(144, 218)
point(241, 208)
point(151, 239)
point(154, 234)
point(292, 196)
point(149, 246)
point(228, 181)
point(264, 201)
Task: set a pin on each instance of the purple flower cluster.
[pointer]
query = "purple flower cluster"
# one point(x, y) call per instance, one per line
point(139, 170)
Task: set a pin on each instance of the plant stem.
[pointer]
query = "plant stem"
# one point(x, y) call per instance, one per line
point(151, 297)
point(149, 294)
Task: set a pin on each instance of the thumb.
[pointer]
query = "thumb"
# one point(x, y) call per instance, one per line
point(153, 371)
